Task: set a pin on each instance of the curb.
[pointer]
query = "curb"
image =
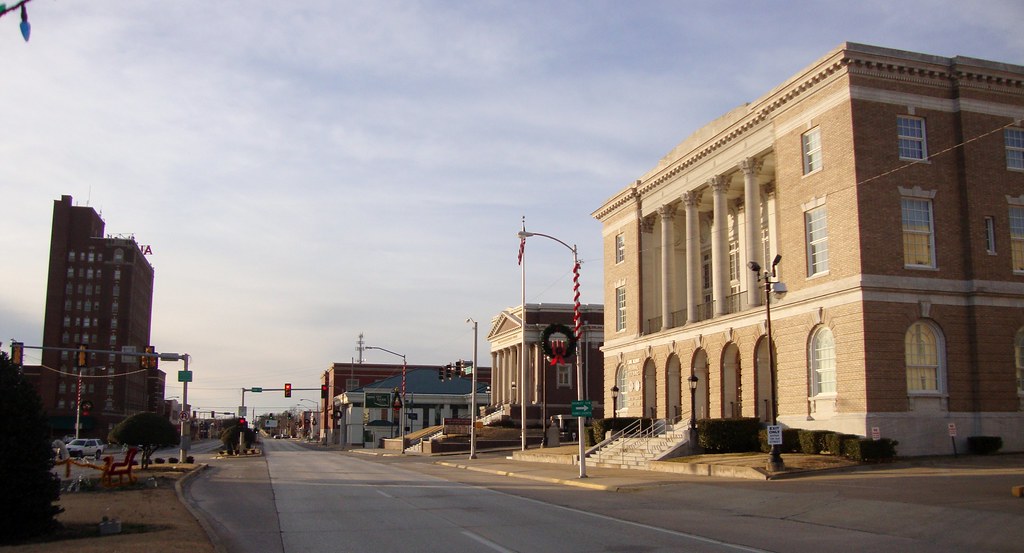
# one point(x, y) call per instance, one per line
point(546, 479)
point(179, 489)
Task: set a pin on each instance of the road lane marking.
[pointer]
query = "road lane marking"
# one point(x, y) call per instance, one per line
point(486, 542)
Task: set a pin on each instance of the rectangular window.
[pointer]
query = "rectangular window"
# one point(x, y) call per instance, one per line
point(351, 383)
point(564, 376)
point(918, 233)
point(1017, 238)
point(620, 248)
point(817, 241)
point(912, 142)
point(1015, 149)
point(990, 235)
point(812, 150)
point(620, 308)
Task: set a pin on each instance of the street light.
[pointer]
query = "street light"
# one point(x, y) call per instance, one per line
point(693, 408)
point(472, 400)
point(310, 414)
point(615, 401)
point(775, 463)
point(402, 410)
point(523, 235)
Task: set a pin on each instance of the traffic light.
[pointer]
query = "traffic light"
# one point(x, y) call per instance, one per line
point(323, 391)
point(440, 374)
point(287, 389)
point(242, 423)
point(448, 370)
point(82, 358)
point(17, 353)
point(86, 408)
point(147, 362)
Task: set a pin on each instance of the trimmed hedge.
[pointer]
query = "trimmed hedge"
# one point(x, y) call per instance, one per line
point(834, 443)
point(812, 442)
point(790, 440)
point(728, 435)
point(983, 445)
point(867, 450)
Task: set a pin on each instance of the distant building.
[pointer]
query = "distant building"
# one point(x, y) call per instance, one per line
point(99, 293)
point(548, 390)
point(892, 185)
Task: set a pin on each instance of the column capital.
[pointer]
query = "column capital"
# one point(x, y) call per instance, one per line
point(718, 184)
point(647, 224)
point(751, 165)
point(667, 211)
point(691, 198)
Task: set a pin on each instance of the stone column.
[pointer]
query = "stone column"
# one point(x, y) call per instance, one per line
point(752, 203)
point(691, 200)
point(667, 213)
point(719, 243)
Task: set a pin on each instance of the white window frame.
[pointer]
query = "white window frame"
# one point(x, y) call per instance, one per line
point(822, 364)
point(990, 235)
point(924, 361)
point(909, 206)
point(1017, 238)
point(620, 248)
point(816, 235)
point(1014, 140)
point(621, 404)
point(620, 308)
point(1018, 346)
point(912, 138)
point(810, 143)
point(563, 375)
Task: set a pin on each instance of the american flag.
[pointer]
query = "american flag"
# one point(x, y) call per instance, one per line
point(522, 248)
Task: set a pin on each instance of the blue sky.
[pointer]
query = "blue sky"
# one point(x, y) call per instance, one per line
point(307, 171)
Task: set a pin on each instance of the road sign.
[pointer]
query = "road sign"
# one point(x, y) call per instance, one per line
point(256, 389)
point(184, 376)
point(582, 408)
point(183, 416)
point(774, 434)
point(381, 400)
point(952, 429)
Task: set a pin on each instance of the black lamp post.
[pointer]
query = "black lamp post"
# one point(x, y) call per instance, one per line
point(775, 463)
point(693, 408)
point(615, 401)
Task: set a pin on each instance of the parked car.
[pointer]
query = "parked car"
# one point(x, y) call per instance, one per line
point(86, 447)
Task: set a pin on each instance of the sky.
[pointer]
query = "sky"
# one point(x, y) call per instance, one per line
point(306, 172)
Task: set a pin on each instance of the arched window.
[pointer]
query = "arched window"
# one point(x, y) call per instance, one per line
point(823, 362)
point(1018, 346)
point(923, 347)
point(620, 383)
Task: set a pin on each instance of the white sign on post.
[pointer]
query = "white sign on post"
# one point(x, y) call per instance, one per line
point(952, 430)
point(774, 434)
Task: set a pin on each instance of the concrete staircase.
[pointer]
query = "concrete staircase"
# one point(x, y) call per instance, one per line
point(633, 450)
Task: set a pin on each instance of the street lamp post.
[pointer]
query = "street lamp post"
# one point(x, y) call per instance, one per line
point(402, 409)
point(693, 409)
point(472, 395)
point(615, 401)
point(580, 395)
point(775, 463)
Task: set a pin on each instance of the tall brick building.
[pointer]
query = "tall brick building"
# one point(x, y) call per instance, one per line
point(99, 292)
point(892, 185)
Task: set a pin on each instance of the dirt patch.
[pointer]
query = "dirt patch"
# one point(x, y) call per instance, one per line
point(152, 519)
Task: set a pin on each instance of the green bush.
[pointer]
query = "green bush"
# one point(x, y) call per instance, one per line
point(865, 450)
point(834, 442)
point(790, 440)
point(812, 442)
point(983, 445)
point(602, 426)
point(728, 435)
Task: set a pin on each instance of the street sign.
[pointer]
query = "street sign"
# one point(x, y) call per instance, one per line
point(381, 400)
point(241, 410)
point(184, 376)
point(183, 416)
point(952, 429)
point(256, 389)
point(582, 408)
point(774, 434)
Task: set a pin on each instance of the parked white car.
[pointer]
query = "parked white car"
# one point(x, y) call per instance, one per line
point(86, 447)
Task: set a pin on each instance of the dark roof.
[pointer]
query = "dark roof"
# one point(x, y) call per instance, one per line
point(425, 381)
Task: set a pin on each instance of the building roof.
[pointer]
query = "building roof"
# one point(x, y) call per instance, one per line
point(425, 381)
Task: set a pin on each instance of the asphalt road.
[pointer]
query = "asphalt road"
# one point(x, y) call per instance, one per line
point(297, 499)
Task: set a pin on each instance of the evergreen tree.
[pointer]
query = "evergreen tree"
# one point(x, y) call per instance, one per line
point(29, 487)
point(149, 431)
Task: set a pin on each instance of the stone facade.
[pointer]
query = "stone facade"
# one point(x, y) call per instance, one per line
point(903, 295)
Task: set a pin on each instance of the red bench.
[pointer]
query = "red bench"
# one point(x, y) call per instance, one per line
point(120, 470)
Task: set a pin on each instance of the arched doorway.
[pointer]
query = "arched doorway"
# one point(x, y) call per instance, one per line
point(675, 386)
point(650, 390)
point(732, 392)
point(700, 370)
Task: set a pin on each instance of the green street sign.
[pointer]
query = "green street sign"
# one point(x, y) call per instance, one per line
point(582, 408)
point(256, 389)
point(184, 376)
point(378, 400)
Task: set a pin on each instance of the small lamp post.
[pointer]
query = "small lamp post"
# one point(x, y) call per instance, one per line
point(693, 408)
point(775, 463)
point(615, 401)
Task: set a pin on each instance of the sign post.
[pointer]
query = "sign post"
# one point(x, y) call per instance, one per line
point(774, 434)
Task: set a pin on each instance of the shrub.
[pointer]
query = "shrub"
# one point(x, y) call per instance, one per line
point(728, 435)
point(158, 460)
point(812, 442)
point(790, 440)
point(983, 445)
point(834, 442)
point(172, 460)
point(190, 459)
point(865, 450)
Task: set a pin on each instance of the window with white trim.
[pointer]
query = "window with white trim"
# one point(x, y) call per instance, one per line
point(990, 235)
point(1017, 238)
point(620, 248)
point(923, 348)
point(816, 227)
point(563, 377)
point(1014, 149)
point(823, 362)
point(622, 402)
point(620, 308)
point(918, 233)
point(811, 141)
point(911, 137)
point(1018, 346)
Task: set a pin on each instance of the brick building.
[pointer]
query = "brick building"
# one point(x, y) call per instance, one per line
point(99, 293)
point(892, 185)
